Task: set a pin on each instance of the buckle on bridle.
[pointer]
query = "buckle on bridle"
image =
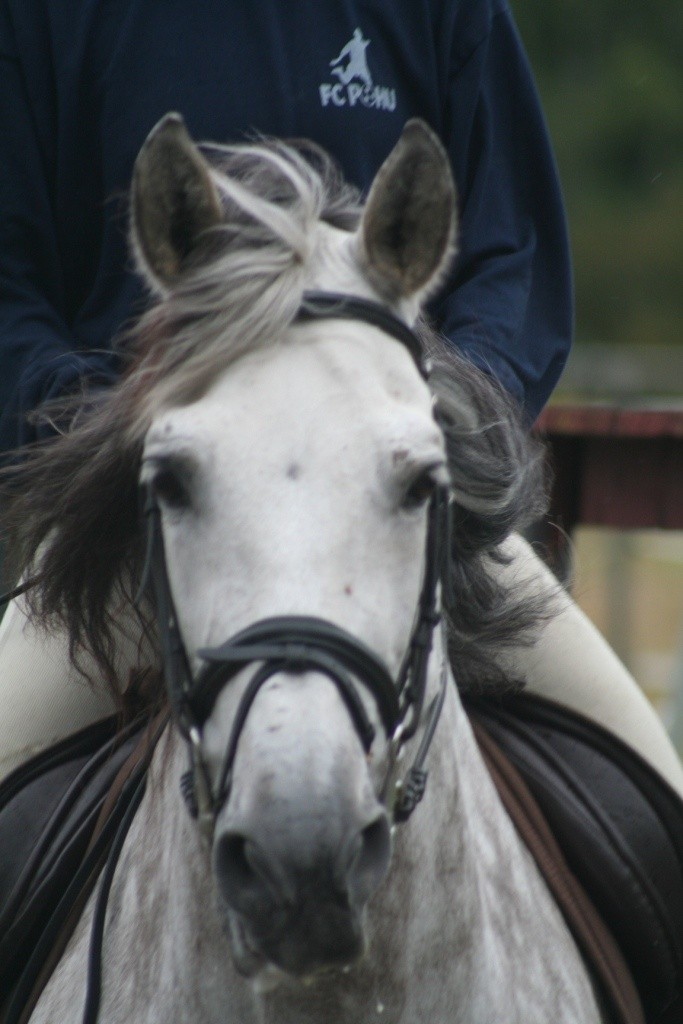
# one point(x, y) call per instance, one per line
point(392, 782)
point(195, 787)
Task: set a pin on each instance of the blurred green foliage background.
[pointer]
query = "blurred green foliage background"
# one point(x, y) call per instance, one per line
point(610, 74)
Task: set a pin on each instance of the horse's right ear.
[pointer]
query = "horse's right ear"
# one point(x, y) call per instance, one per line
point(174, 202)
point(407, 232)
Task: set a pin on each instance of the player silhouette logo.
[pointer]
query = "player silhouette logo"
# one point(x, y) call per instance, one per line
point(357, 66)
point(354, 86)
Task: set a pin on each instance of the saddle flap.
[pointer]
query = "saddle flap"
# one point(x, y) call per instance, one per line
point(48, 812)
point(620, 829)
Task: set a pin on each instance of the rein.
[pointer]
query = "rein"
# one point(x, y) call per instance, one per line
point(298, 644)
point(21, 588)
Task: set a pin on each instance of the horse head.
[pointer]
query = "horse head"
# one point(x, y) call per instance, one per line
point(291, 478)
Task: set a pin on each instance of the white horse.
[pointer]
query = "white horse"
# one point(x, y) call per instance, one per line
point(292, 463)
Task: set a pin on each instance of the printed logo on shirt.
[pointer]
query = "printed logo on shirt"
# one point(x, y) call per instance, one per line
point(354, 85)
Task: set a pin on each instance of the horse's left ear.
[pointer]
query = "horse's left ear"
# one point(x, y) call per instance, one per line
point(174, 202)
point(407, 233)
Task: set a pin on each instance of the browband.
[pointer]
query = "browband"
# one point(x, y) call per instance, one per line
point(317, 305)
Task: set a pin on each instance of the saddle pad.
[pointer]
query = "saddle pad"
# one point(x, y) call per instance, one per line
point(619, 826)
point(49, 809)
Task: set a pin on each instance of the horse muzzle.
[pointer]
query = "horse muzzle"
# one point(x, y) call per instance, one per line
point(297, 884)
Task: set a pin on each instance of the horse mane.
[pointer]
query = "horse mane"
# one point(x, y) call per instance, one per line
point(499, 482)
point(69, 506)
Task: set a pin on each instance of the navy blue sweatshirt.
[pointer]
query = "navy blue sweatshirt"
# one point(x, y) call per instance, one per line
point(83, 81)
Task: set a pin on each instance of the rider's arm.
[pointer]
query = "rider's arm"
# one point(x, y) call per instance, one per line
point(38, 358)
point(509, 305)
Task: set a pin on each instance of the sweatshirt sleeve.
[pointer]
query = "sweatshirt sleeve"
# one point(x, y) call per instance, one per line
point(509, 305)
point(38, 356)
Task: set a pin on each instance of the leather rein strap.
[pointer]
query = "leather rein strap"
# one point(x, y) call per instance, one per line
point(106, 840)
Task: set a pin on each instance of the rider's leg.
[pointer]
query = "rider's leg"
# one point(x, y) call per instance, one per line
point(43, 698)
point(573, 665)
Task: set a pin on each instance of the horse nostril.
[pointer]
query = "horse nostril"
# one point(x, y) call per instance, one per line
point(259, 883)
point(231, 861)
point(365, 859)
point(245, 878)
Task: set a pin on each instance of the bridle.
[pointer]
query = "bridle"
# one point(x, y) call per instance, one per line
point(295, 644)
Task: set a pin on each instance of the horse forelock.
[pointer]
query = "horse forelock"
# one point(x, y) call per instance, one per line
point(244, 287)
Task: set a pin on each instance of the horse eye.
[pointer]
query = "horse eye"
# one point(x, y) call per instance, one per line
point(420, 490)
point(170, 488)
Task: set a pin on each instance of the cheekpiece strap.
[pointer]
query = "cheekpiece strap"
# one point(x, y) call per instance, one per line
point(177, 674)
